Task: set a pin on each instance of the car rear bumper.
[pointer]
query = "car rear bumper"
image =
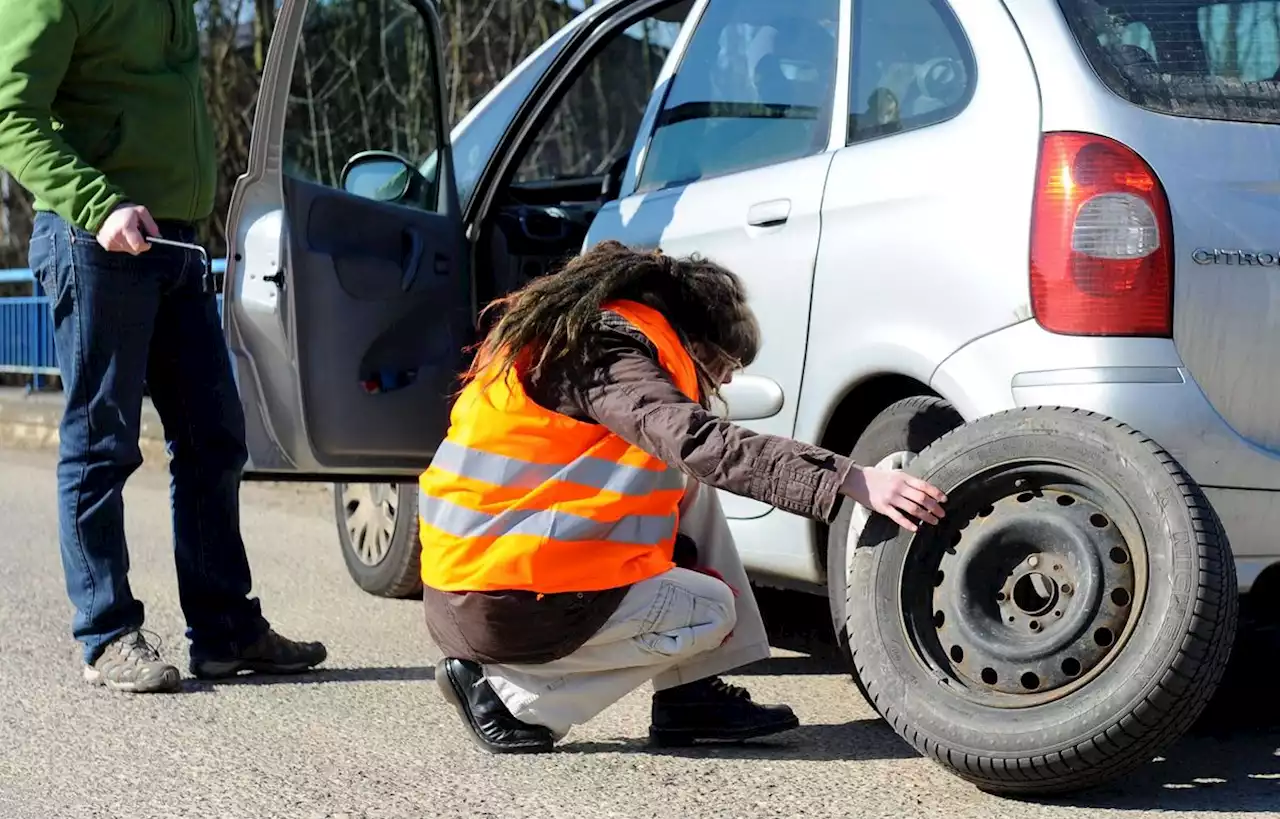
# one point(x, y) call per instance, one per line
point(1142, 383)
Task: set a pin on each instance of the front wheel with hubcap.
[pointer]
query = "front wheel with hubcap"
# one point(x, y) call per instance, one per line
point(378, 532)
point(1067, 620)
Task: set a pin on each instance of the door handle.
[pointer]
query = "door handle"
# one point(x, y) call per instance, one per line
point(769, 214)
point(411, 248)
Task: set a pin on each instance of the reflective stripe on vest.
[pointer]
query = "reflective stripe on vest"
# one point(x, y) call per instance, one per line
point(644, 530)
point(519, 497)
point(597, 473)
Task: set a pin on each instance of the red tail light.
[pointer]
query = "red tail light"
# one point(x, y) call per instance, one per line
point(1101, 237)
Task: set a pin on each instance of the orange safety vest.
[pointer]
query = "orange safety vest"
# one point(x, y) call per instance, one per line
point(522, 498)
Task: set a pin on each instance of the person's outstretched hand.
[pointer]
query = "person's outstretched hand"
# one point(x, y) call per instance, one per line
point(126, 230)
point(892, 492)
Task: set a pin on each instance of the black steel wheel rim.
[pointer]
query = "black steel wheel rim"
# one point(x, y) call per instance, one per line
point(1029, 587)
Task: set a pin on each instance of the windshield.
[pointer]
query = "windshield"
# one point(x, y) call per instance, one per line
point(476, 136)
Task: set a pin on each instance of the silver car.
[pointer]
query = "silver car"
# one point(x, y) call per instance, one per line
point(1028, 250)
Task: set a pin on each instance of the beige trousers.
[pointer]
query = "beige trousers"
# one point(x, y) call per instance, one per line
point(669, 629)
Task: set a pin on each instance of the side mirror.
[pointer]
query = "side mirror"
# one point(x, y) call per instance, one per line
point(378, 175)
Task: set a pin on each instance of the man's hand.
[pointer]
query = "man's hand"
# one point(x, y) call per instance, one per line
point(892, 492)
point(123, 230)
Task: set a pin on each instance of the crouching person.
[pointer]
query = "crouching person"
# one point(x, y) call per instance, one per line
point(573, 547)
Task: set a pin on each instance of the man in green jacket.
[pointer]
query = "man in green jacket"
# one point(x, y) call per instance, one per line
point(102, 118)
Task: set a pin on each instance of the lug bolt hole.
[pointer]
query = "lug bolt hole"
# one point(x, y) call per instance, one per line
point(1000, 596)
point(1120, 597)
point(1071, 666)
point(1065, 500)
point(1099, 521)
point(1030, 681)
point(1035, 625)
point(1119, 555)
point(989, 676)
point(938, 619)
point(1104, 637)
point(957, 654)
point(1066, 588)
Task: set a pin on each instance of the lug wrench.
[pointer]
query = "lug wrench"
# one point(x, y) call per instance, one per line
point(208, 279)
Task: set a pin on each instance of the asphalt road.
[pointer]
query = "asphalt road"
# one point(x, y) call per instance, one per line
point(370, 736)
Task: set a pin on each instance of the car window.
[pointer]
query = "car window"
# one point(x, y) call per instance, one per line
point(594, 123)
point(1185, 57)
point(476, 137)
point(362, 80)
point(911, 66)
point(755, 87)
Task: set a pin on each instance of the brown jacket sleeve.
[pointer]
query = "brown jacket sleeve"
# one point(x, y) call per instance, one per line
point(625, 389)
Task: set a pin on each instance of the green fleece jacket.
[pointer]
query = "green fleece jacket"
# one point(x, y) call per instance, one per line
point(101, 103)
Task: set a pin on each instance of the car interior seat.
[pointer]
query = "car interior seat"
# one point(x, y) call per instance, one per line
point(939, 83)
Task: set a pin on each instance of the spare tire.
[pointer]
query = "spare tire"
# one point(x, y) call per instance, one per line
point(1068, 619)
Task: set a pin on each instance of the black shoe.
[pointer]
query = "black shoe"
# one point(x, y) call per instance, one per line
point(492, 726)
point(712, 709)
point(271, 654)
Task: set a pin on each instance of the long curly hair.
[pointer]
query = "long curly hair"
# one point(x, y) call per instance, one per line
point(545, 323)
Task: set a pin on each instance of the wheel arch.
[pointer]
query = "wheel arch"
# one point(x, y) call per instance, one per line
point(1258, 605)
point(850, 415)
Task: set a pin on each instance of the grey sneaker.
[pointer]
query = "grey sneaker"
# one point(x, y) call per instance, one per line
point(131, 664)
point(272, 654)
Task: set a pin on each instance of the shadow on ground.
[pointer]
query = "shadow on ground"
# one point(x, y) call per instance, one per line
point(861, 740)
point(321, 676)
point(1228, 763)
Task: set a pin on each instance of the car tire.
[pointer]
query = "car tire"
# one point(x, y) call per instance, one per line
point(378, 532)
point(902, 429)
point(1066, 622)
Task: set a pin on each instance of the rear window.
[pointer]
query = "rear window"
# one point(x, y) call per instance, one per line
point(1193, 59)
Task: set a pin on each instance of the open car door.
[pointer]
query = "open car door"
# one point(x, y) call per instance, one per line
point(347, 299)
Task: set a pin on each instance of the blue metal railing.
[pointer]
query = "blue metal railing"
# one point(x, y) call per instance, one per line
point(16, 276)
point(26, 331)
point(26, 328)
point(26, 336)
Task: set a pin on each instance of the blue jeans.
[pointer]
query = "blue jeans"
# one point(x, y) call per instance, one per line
point(123, 324)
